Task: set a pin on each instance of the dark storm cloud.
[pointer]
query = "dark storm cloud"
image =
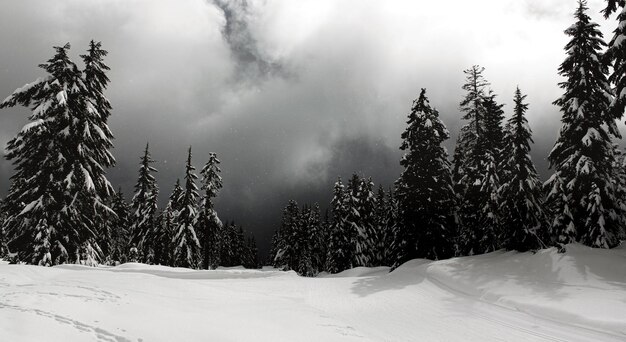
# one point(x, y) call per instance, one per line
point(290, 94)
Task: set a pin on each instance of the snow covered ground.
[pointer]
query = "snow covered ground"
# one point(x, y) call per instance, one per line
point(578, 296)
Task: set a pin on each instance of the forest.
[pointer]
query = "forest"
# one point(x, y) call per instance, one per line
point(486, 196)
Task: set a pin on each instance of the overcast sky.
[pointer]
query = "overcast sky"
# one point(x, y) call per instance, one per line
point(290, 94)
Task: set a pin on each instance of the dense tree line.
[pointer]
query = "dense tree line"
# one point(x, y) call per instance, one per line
point(62, 209)
point(490, 196)
point(187, 232)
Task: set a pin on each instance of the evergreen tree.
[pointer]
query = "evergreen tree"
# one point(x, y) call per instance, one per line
point(318, 238)
point(581, 191)
point(251, 258)
point(209, 224)
point(286, 255)
point(391, 229)
point(144, 209)
point(424, 190)
point(3, 238)
point(356, 233)
point(339, 255)
point(522, 202)
point(303, 239)
point(475, 171)
point(366, 234)
point(493, 131)
point(60, 159)
point(166, 224)
point(119, 223)
point(468, 148)
point(615, 56)
point(380, 214)
point(186, 244)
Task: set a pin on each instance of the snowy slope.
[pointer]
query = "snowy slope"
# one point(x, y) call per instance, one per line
point(578, 296)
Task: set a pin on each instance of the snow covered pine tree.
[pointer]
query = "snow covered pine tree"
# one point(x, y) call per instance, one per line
point(339, 255)
point(521, 194)
point(58, 192)
point(144, 207)
point(209, 224)
point(424, 191)
point(185, 242)
point(581, 190)
point(475, 161)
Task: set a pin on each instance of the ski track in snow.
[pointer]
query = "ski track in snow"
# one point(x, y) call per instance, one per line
point(495, 297)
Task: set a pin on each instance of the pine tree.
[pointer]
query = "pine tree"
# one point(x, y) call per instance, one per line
point(251, 258)
point(581, 191)
point(424, 190)
point(3, 238)
point(493, 131)
point(391, 231)
point(380, 214)
point(468, 148)
point(119, 224)
point(144, 209)
point(522, 200)
point(615, 56)
point(286, 254)
point(228, 257)
point(60, 159)
point(475, 172)
point(186, 244)
point(339, 255)
point(306, 230)
point(356, 232)
point(318, 238)
point(366, 234)
point(166, 223)
point(209, 224)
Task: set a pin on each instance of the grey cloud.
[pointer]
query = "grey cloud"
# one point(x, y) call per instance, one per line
point(252, 63)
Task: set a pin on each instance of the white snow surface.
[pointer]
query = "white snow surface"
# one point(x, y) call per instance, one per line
point(501, 296)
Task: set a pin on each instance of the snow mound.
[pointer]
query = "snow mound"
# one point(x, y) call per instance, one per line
point(584, 286)
point(501, 296)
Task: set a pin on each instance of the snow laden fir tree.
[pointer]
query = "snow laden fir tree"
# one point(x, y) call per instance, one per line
point(144, 207)
point(209, 224)
point(524, 219)
point(58, 193)
point(476, 159)
point(424, 191)
point(185, 242)
point(582, 194)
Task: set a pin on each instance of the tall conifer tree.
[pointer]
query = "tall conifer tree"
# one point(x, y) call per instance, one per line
point(209, 223)
point(339, 256)
point(144, 208)
point(60, 159)
point(581, 191)
point(424, 190)
point(522, 199)
point(185, 241)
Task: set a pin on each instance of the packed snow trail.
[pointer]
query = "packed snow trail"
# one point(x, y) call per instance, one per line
point(547, 296)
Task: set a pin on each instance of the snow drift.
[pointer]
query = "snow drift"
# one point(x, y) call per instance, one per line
point(576, 296)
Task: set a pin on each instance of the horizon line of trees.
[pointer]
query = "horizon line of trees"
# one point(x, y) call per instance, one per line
point(490, 196)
